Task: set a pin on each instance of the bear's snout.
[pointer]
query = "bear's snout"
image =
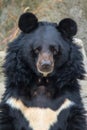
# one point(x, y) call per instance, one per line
point(45, 63)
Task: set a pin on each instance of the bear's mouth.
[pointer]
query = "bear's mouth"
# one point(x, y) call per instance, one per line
point(45, 70)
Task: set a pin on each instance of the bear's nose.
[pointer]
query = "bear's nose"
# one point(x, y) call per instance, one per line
point(45, 64)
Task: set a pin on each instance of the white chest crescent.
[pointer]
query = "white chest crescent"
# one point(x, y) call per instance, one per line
point(39, 118)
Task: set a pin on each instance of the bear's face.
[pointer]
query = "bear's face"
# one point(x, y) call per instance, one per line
point(45, 50)
point(46, 45)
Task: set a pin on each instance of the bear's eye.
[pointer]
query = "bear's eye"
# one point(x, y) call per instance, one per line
point(37, 50)
point(53, 49)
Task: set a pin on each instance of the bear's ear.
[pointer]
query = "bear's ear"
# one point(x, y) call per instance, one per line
point(27, 22)
point(67, 27)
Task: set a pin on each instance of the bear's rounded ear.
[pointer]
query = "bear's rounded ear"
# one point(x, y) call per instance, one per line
point(67, 27)
point(27, 22)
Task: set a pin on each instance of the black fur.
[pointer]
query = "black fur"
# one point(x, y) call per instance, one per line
point(27, 22)
point(22, 78)
point(68, 27)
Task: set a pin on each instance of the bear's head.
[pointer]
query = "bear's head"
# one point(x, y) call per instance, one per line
point(44, 49)
point(46, 46)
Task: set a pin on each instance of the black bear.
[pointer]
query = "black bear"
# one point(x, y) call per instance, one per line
point(42, 68)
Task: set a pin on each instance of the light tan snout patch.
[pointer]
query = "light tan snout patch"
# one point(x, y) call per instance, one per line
point(45, 57)
point(39, 118)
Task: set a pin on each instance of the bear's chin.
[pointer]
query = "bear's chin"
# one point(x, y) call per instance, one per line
point(44, 73)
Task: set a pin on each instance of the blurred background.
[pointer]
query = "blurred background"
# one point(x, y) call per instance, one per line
point(50, 10)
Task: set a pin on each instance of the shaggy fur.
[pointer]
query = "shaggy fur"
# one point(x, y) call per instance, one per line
point(57, 95)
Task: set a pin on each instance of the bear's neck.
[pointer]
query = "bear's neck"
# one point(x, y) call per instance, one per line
point(41, 85)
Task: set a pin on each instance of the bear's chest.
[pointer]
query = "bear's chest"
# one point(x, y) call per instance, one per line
point(39, 118)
